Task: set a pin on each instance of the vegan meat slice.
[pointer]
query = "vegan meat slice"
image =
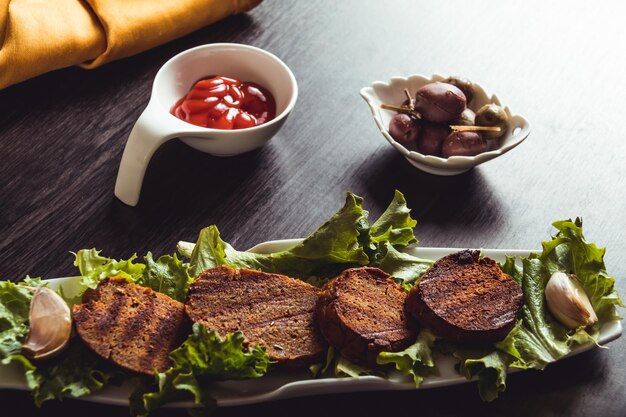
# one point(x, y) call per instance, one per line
point(466, 298)
point(272, 310)
point(361, 313)
point(133, 326)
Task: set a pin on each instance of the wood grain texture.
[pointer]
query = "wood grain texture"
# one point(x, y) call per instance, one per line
point(559, 63)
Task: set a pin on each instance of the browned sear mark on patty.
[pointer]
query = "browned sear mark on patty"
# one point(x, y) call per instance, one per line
point(271, 310)
point(361, 313)
point(466, 298)
point(133, 326)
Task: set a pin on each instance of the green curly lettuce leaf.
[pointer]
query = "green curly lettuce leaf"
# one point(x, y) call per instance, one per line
point(170, 386)
point(395, 225)
point(335, 364)
point(14, 310)
point(491, 371)
point(569, 252)
point(210, 356)
point(167, 275)
point(416, 360)
point(510, 267)
point(344, 240)
point(340, 367)
point(485, 363)
point(404, 268)
point(202, 358)
point(335, 242)
point(540, 339)
point(393, 228)
point(28, 281)
point(322, 367)
point(93, 267)
point(508, 346)
point(75, 373)
point(345, 368)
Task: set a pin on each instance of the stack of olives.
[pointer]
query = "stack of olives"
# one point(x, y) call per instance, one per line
point(438, 122)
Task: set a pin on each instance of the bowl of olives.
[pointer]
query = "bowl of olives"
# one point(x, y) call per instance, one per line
point(443, 125)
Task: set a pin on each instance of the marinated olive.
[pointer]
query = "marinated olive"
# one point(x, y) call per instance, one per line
point(463, 144)
point(404, 129)
point(440, 102)
point(492, 115)
point(462, 84)
point(431, 138)
point(468, 118)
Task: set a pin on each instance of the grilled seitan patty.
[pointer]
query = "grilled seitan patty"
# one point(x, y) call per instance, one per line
point(361, 313)
point(465, 298)
point(271, 310)
point(130, 325)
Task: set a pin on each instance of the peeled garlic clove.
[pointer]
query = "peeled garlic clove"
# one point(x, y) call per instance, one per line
point(568, 301)
point(50, 324)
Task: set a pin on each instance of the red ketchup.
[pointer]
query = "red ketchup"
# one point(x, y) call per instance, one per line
point(225, 103)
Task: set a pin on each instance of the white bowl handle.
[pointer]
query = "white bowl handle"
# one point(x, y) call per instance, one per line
point(150, 132)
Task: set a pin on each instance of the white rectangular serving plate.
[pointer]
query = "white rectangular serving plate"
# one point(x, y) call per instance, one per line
point(288, 384)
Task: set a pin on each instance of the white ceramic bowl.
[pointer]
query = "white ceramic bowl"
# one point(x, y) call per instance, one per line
point(392, 92)
point(157, 125)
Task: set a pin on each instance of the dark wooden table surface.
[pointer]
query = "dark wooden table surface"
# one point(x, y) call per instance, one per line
point(560, 64)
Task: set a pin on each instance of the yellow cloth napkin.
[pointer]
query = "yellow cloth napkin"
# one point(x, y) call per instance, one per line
point(38, 36)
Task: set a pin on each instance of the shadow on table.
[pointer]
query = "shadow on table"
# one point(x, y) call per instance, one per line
point(466, 199)
point(182, 183)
